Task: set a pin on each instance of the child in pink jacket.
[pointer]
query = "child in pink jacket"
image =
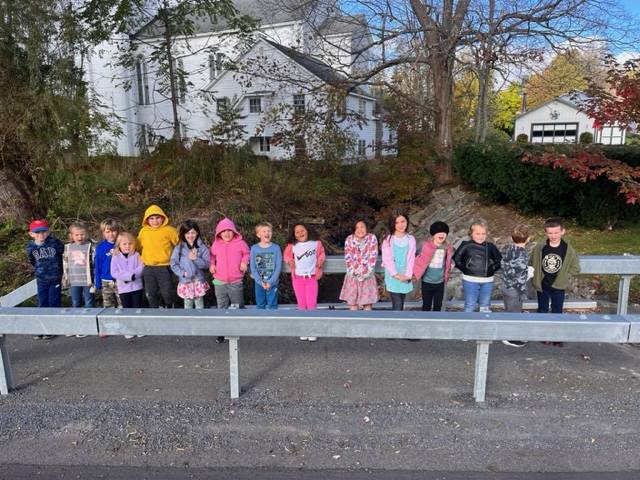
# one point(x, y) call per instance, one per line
point(433, 265)
point(229, 261)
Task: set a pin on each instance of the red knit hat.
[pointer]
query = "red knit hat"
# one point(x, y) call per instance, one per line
point(38, 226)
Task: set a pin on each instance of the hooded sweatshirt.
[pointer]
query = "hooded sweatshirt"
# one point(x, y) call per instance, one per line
point(227, 256)
point(156, 244)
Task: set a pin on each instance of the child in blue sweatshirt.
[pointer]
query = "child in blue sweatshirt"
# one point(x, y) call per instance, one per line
point(104, 251)
point(266, 263)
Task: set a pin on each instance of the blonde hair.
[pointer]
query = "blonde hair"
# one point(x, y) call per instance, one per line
point(263, 224)
point(128, 236)
point(478, 223)
point(110, 223)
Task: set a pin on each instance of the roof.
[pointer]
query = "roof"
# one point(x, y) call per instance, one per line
point(342, 25)
point(571, 99)
point(266, 13)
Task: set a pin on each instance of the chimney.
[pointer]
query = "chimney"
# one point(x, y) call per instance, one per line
point(523, 107)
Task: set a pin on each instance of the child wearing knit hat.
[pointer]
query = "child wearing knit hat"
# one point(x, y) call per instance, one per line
point(432, 266)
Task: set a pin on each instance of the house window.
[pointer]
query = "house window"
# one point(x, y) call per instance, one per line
point(145, 138)
point(298, 104)
point(142, 81)
point(255, 105)
point(554, 133)
point(362, 106)
point(221, 105)
point(300, 146)
point(362, 148)
point(216, 65)
point(610, 135)
point(265, 144)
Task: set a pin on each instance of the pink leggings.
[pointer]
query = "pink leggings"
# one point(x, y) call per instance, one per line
point(306, 290)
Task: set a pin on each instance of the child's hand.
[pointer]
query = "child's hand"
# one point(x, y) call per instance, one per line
point(266, 285)
point(243, 267)
point(212, 269)
point(193, 254)
point(319, 273)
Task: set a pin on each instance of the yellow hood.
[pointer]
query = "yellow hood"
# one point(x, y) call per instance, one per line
point(154, 210)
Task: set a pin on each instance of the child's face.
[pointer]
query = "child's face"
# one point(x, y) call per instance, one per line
point(264, 234)
point(439, 238)
point(360, 231)
point(401, 224)
point(78, 235)
point(155, 221)
point(478, 234)
point(226, 235)
point(109, 235)
point(126, 246)
point(554, 234)
point(39, 237)
point(191, 236)
point(301, 233)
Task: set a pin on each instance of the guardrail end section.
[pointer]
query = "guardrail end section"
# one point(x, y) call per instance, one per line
point(6, 380)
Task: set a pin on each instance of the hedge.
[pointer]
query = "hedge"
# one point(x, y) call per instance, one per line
point(496, 171)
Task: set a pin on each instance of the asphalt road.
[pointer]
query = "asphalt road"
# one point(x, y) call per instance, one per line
point(333, 409)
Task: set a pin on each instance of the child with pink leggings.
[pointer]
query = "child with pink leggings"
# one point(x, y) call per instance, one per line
point(305, 256)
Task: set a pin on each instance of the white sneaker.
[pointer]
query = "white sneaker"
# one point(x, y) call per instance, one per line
point(140, 336)
point(312, 339)
point(304, 338)
point(129, 337)
point(80, 336)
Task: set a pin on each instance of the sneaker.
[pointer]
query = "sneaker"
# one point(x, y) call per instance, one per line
point(304, 338)
point(312, 339)
point(80, 336)
point(47, 337)
point(514, 343)
point(68, 335)
point(220, 340)
point(103, 335)
point(38, 337)
point(140, 336)
point(129, 337)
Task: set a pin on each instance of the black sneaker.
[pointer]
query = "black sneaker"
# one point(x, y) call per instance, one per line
point(514, 343)
point(220, 340)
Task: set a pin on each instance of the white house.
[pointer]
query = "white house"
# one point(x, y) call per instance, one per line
point(561, 121)
point(293, 60)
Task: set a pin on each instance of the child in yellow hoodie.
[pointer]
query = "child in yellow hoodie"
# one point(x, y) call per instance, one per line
point(155, 243)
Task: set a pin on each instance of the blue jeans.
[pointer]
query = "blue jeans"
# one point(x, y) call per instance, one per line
point(78, 294)
point(49, 292)
point(266, 299)
point(477, 293)
point(555, 296)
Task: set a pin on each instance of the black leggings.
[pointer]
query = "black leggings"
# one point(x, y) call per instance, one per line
point(432, 296)
point(158, 285)
point(132, 299)
point(397, 300)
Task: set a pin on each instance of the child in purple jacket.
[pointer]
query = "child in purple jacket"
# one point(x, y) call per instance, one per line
point(126, 268)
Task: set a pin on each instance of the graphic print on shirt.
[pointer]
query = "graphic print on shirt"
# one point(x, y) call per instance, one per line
point(305, 254)
point(552, 263)
point(266, 265)
point(437, 261)
point(78, 258)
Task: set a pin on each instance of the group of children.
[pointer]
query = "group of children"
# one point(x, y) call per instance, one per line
point(127, 268)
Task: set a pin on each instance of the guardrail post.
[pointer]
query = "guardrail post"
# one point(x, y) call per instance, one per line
point(482, 360)
point(623, 294)
point(234, 368)
point(6, 379)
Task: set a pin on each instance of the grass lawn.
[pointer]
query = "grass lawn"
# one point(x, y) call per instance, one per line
point(608, 242)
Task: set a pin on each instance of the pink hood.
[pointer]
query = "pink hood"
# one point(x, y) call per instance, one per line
point(227, 256)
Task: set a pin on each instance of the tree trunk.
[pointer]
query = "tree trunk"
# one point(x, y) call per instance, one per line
point(177, 137)
point(16, 204)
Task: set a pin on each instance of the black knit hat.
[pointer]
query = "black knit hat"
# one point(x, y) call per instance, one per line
point(438, 227)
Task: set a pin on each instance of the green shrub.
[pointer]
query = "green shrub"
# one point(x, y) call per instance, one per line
point(496, 171)
point(522, 138)
point(586, 137)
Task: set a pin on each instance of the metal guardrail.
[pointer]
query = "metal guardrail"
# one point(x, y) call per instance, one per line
point(481, 327)
point(625, 266)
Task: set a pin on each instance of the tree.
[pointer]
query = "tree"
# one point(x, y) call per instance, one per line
point(619, 100)
point(567, 72)
point(229, 131)
point(506, 106)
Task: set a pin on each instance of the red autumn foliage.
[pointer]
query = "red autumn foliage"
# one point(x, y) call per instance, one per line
point(619, 101)
point(586, 166)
